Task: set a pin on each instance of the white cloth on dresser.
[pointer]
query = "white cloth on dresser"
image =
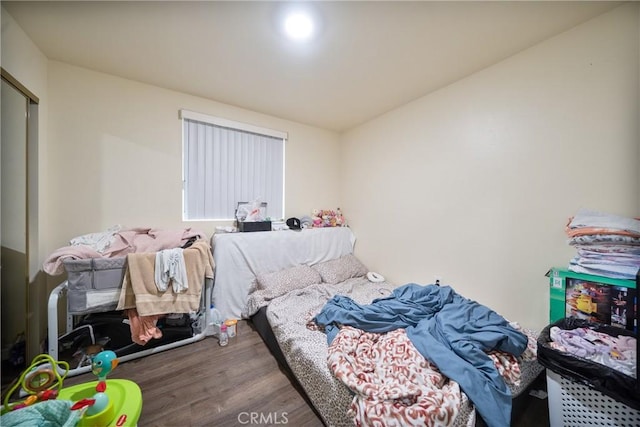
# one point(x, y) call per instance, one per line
point(240, 257)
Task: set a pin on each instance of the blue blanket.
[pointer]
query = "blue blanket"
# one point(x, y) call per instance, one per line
point(449, 330)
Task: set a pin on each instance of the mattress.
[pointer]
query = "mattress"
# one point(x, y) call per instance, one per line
point(302, 351)
point(94, 284)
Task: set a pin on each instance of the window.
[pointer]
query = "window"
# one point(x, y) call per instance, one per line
point(226, 162)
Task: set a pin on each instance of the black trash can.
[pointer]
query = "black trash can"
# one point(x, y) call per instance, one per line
point(585, 392)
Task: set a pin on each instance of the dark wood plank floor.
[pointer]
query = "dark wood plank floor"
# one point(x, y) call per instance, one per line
point(203, 384)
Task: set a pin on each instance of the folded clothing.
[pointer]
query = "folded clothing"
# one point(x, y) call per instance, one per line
point(607, 245)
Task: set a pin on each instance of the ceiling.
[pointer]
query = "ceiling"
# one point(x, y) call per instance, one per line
point(368, 57)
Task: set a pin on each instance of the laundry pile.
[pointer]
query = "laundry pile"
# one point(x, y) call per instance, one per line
point(607, 245)
point(616, 352)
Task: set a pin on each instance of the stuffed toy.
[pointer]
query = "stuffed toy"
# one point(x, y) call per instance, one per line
point(327, 218)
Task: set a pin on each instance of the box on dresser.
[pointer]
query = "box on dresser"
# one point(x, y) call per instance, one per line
point(246, 226)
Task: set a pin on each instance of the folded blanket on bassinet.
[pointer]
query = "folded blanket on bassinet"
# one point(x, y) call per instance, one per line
point(139, 289)
point(135, 240)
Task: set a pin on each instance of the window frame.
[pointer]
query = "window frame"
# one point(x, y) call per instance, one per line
point(233, 125)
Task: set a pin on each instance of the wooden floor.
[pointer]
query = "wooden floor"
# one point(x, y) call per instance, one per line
point(203, 384)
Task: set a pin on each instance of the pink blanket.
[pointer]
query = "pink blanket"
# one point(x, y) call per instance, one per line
point(394, 384)
point(134, 240)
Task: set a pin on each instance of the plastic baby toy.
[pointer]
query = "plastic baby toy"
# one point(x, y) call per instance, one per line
point(102, 364)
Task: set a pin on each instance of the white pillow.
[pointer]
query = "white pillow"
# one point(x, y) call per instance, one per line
point(288, 279)
point(340, 269)
point(272, 285)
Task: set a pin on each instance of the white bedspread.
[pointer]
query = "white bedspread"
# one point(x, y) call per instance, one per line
point(240, 257)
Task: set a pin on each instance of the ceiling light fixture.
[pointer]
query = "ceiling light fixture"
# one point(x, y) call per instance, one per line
point(298, 26)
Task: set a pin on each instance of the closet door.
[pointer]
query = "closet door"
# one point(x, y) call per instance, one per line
point(13, 259)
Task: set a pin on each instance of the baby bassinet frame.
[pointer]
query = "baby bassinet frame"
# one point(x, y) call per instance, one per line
point(201, 328)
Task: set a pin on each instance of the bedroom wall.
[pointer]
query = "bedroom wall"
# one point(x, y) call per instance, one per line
point(474, 183)
point(116, 154)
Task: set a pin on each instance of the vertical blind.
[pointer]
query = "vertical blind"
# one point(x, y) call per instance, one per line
point(224, 166)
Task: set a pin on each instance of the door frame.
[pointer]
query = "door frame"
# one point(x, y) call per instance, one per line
point(32, 303)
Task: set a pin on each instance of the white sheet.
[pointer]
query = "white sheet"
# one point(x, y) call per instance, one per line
point(240, 257)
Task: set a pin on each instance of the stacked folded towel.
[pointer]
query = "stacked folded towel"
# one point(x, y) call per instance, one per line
point(607, 245)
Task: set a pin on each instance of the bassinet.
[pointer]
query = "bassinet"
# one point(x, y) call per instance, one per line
point(94, 284)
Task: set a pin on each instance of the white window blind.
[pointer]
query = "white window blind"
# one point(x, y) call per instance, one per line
point(228, 162)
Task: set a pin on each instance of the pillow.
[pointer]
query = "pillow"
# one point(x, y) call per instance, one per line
point(340, 269)
point(288, 279)
point(273, 285)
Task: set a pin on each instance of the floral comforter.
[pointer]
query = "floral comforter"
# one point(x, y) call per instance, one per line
point(394, 385)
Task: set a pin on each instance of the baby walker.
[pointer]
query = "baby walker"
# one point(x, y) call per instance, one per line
point(41, 381)
point(102, 403)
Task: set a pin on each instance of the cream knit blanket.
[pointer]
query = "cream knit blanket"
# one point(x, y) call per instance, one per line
point(139, 289)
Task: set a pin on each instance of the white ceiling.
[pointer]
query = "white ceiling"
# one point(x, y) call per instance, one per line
point(369, 57)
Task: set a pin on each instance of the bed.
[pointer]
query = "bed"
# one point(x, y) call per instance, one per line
point(285, 321)
point(282, 304)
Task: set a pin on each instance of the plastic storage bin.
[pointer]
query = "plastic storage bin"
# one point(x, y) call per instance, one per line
point(585, 393)
point(573, 404)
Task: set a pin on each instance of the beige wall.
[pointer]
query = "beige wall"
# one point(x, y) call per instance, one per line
point(475, 182)
point(116, 155)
